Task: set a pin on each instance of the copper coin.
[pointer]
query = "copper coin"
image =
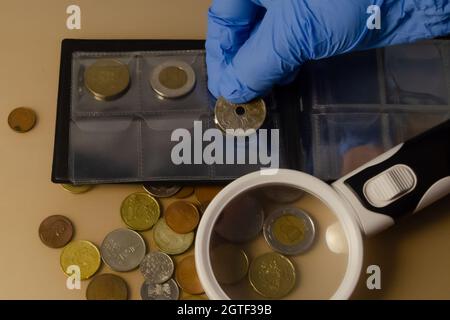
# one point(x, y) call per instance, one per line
point(185, 192)
point(22, 119)
point(56, 231)
point(107, 287)
point(182, 216)
point(205, 194)
point(186, 276)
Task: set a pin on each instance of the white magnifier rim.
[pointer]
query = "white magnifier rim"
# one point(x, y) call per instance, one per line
point(308, 183)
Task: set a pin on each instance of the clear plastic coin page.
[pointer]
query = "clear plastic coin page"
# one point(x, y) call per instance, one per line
point(132, 138)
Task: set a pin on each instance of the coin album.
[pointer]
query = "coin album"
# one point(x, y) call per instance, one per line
point(128, 138)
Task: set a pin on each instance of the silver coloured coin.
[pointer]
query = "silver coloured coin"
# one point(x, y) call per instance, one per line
point(161, 191)
point(123, 250)
point(168, 84)
point(164, 291)
point(240, 119)
point(157, 267)
point(241, 220)
point(305, 234)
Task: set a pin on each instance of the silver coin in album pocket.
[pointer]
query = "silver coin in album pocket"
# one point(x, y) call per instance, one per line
point(173, 79)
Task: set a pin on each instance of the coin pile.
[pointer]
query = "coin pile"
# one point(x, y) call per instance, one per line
point(287, 230)
point(125, 249)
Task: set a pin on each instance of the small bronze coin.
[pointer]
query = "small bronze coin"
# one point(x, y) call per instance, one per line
point(173, 77)
point(22, 119)
point(185, 192)
point(56, 231)
point(205, 194)
point(107, 287)
point(182, 216)
point(186, 276)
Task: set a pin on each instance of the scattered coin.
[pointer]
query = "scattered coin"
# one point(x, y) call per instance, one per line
point(185, 192)
point(169, 241)
point(289, 231)
point(240, 119)
point(241, 220)
point(230, 263)
point(22, 119)
point(123, 250)
point(272, 275)
point(140, 211)
point(173, 79)
point(56, 231)
point(182, 216)
point(157, 267)
point(186, 276)
point(205, 194)
point(107, 287)
point(283, 194)
point(107, 79)
point(83, 254)
point(194, 298)
point(164, 291)
point(160, 191)
point(76, 189)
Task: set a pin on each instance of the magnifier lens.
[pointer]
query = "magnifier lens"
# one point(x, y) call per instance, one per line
point(278, 242)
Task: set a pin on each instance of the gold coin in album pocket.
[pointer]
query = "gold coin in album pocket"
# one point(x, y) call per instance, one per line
point(22, 119)
point(107, 79)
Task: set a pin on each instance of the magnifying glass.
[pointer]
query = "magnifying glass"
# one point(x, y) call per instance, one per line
point(292, 236)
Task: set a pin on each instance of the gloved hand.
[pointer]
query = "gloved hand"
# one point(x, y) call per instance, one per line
point(254, 44)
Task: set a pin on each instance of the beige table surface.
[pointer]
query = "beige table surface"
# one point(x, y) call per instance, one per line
point(414, 257)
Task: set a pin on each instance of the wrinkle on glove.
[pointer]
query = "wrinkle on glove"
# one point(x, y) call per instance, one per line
point(254, 44)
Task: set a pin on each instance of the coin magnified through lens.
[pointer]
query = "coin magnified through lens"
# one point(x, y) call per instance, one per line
point(268, 246)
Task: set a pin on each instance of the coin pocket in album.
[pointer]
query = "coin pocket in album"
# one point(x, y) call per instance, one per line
point(132, 111)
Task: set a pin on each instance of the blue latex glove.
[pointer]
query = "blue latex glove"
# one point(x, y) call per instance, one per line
point(254, 44)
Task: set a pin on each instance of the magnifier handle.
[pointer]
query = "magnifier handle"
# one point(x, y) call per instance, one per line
point(401, 181)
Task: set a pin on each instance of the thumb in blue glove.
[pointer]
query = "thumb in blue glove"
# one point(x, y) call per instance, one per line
point(254, 44)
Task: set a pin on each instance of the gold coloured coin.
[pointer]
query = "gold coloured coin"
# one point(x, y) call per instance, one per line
point(185, 192)
point(140, 211)
point(272, 275)
point(186, 276)
point(173, 77)
point(22, 119)
point(230, 263)
point(82, 254)
point(182, 216)
point(76, 189)
point(170, 242)
point(240, 119)
point(107, 79)
point(107, 287)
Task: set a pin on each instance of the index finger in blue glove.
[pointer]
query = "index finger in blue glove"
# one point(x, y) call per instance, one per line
point(229, 25)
